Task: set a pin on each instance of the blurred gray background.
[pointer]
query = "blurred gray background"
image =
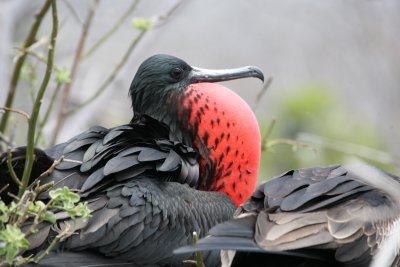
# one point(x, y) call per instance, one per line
point(350, 47)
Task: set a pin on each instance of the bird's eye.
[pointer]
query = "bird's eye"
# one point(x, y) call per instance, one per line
point(176, 73)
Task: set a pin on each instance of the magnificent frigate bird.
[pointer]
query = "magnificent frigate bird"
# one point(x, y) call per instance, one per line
point(187, 159)
point(340, 215)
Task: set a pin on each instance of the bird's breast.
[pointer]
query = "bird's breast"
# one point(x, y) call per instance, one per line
point(227, 137)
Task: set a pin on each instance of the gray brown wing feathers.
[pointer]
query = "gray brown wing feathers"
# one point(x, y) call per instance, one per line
point(334, 208)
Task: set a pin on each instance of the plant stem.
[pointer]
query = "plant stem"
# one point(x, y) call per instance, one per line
point(67, 88)
point(11, 168)
point(59, 237)
point(111, 77)
point(39, 57)
point(124, 59)
point(267, 135)
point(38, 102)
point(198, 254)
point(20, 61)
point(349, 148)
point(48, 111)
point(260, 94)
point(21, 112)
point(293, 143)
point(112, 30)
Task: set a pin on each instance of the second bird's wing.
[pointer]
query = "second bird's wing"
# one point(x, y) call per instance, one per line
point(336, 214)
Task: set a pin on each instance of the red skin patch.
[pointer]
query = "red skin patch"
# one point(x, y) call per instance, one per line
point(233, 137)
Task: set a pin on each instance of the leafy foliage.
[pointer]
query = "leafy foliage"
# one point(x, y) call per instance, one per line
point(12, 241)
point(22, 217)
point(31, 212)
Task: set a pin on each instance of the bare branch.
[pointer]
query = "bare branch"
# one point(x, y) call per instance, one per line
point(20, 61)
point(67, 88)
point(112, 30)
point(38, 102)
point(160, 20)
point(4, 188)
point(111, 77)
point(20, 112)
point(350, 148)
point(73, 12)
point(11, 168)
point(59, 237)
point(293, 143)
point(267, 134)
point(261, 93)
point(47, 113)
point(119, 66)
point(52, 167)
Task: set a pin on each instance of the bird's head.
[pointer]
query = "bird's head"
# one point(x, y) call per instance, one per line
point(208, 116)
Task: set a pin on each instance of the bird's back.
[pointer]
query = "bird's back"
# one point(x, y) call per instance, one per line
point(138, 184)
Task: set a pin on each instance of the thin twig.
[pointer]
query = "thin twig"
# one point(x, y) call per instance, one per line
point(52, 167)
point(40, 57)
point(111, 77)
point(72, 161)
point(73, 12)
point(67, 88)
point(290, 142)
point(119, 66)
point(40, 42)
point(20, 112)
point(5, 140)
point(36, 219)
point(20, 61)
point(267, 135)
point(59, 237)
point(43, 122)
point(112, 30)
point(160, 20)
point(260, 94)
point(41, 188)
point(350, 148)
point(22, 207)
point(38, 102)
point(198, 254)
point(4, 188)
point(11, 168)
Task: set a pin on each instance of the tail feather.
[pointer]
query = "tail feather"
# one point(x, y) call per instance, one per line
point(238, 235)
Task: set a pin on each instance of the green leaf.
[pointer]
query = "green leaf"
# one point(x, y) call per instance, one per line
point(83, 210)
point(35, 207)
point(80, 210)
point(13, 241)
point(142, 23)
point(11, 252)
point(34, 229)
point(13, 208)
point(63, 75)
point(49, 217)
point(64, 198)
point(64, 195)
point(3, 212)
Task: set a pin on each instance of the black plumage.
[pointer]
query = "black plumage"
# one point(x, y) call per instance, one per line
point(138, 185)
point(140, 179)
point(325, 216)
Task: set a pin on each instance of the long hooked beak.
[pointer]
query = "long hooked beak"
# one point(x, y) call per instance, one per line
point(205, 75)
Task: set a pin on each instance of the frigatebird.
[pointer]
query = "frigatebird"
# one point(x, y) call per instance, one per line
point(187, 159)
point(339, 215)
